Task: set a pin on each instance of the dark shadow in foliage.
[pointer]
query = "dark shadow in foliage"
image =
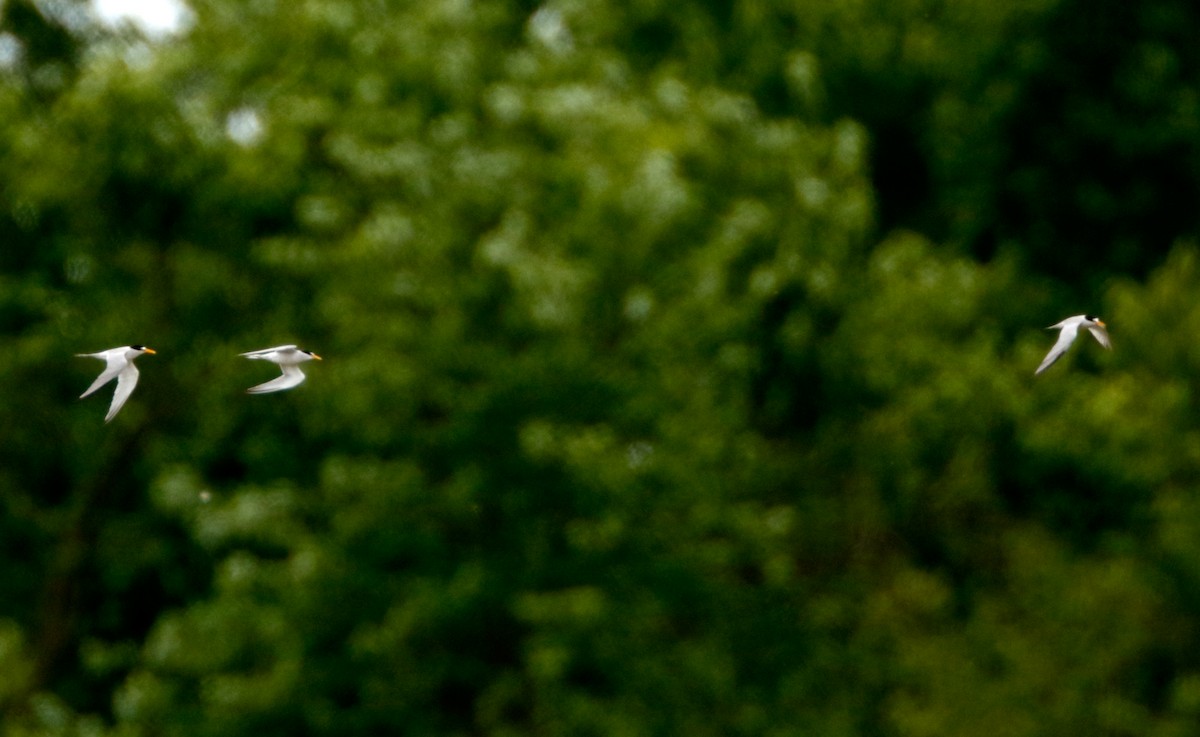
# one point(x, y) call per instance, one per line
point(1083, 510)
point(47, 46)
point(900, 176)
point(1100, 177)
point(788, 393)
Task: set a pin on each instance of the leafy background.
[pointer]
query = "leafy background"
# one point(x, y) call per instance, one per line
point(678, 369)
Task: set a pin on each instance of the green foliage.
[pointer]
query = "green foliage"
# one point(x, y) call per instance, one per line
point(666, 390)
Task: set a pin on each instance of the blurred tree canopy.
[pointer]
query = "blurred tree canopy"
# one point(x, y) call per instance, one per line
point(678, 369)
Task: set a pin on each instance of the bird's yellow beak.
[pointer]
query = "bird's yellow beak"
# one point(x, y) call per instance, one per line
point(317, 357)
point(1101, 323)
point(151, 351)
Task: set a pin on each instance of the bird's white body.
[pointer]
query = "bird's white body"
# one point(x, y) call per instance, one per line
point(118, 364)
point(1068, 331)
point(288, 358)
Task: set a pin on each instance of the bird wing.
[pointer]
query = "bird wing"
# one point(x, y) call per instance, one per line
point(1101, 335)
point(1065, 339)
point(292, 376)
point(116, 364)
point(266, 351)
point(127, 379)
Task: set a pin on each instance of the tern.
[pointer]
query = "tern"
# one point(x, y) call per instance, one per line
point(289, 358)
point(119, 366)
point(1068, 331)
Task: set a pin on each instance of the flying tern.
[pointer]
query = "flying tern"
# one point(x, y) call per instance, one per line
point(1068, 331)
point(289, 358)
point(119, 366)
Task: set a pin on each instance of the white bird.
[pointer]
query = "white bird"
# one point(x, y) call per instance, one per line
point(289, 358)
point(1068, 331)
point(119, 366)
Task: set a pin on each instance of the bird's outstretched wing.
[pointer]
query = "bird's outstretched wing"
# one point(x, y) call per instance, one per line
point(266, 351)
point(127, 379)
point(292, 376)
point(116, 364)
point(1065, 339)
point(1101, 335)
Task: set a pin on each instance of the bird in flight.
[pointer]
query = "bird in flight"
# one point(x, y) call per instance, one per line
point(118, 365)
point(1068, 331)
point(288, 358)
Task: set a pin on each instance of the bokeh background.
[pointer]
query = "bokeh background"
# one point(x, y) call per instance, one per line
point(678, 379)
